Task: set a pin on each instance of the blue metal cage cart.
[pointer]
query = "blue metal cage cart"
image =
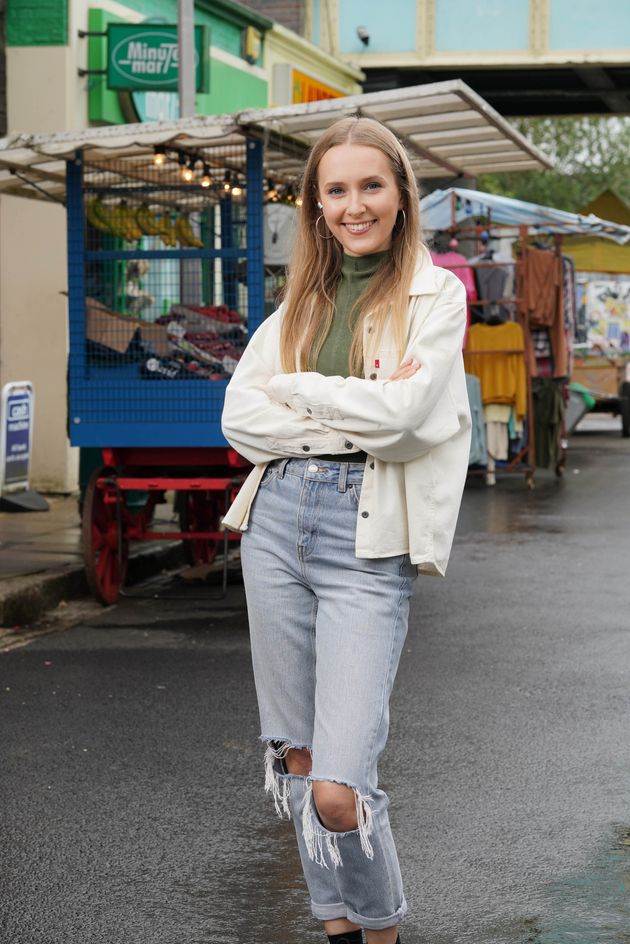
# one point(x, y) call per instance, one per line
point(165, 271)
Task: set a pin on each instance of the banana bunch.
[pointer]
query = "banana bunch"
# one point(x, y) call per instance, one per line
point(186, 234)
point(131, 224)
point(118, 220)
point(123, 223)
point(167, 231)
point(97, 215)
point(147, 221)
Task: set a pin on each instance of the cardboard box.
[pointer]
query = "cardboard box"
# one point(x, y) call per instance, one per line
point(116, 332)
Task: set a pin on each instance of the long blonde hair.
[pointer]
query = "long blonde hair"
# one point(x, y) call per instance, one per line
point(315, 268)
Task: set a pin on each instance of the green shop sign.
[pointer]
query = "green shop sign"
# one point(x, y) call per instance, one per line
point(146, 58)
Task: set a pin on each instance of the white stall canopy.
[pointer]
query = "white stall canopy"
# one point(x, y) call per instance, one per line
point(447, 128)
point(444, 209)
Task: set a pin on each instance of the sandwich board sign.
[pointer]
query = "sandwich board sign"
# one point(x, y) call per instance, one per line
point(16, 443)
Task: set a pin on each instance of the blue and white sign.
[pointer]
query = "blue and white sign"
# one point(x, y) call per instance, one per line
point(17, 435)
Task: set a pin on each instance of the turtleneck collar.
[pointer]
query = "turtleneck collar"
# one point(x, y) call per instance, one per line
point(362, 266)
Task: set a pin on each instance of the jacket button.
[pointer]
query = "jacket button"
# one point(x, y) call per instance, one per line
point(306, 448)
point(371, 465)
point(365, 514)
point(373, 376)
point(309, 411)
point(348, 444)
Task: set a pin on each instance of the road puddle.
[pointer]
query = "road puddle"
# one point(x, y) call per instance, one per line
point(591, 907)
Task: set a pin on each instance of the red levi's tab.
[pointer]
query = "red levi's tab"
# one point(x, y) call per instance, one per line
point(377, 362)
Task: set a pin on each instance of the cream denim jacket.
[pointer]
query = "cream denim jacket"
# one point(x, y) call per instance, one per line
point(416, 432)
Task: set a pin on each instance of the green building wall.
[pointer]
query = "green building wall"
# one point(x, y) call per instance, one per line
point(37, 22)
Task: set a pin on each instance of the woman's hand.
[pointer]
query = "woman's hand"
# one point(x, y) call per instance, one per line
point(406, 370)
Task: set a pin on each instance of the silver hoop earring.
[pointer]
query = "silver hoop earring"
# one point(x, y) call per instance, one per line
point(317, 230)
point(399, 229)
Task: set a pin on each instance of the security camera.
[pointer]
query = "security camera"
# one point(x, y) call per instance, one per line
point(363, 35)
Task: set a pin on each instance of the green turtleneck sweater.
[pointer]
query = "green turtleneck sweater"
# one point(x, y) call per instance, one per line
point(356, 272)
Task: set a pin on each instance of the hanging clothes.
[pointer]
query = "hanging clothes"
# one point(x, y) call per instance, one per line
point(458, 264)
point(548, 419)
point(502, 375)
point(478, 452)
point(494, 282)
point(542, 304)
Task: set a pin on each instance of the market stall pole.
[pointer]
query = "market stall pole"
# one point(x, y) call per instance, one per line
point(149, 391)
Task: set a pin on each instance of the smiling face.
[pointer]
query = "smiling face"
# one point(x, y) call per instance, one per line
point(360, 197)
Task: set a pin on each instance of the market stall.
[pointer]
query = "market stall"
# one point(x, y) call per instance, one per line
point(521, 291)
point(166, 230)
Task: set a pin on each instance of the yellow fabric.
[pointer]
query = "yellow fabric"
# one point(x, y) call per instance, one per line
point(497, 413)
point(502, 376)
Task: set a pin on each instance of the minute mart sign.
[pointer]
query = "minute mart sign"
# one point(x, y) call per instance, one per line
point(146, 58)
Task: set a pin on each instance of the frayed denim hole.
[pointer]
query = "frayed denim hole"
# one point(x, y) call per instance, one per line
point(277, 776)
point(317, 837)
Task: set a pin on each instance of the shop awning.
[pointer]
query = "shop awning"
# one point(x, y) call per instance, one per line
point(443, 209)
point(448, 130)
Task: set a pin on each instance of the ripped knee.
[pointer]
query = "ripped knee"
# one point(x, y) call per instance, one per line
point(298, 760)
point(282, 759)
point(332, 814)
point(336, 805)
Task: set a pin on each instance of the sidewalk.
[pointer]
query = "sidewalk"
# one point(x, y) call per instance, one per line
point(41, 561)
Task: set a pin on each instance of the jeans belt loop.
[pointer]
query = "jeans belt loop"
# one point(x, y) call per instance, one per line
point(282, 467)
point(343, 477)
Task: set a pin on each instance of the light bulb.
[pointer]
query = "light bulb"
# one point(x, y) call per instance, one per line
point(237, 191)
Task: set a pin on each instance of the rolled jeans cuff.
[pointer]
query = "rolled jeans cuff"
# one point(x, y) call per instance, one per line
point(333, 912)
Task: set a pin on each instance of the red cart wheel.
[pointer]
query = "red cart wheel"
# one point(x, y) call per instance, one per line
point(105, 566)
point(198, 511)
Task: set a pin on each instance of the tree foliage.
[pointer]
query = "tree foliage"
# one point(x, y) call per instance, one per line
point(590, 155)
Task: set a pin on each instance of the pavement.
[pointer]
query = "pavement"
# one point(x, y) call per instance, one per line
point(41, 560)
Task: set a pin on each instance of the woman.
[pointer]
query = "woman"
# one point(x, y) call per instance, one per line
point(351, 402)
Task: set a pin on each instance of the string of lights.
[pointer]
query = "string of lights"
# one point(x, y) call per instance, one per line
point(193, 169)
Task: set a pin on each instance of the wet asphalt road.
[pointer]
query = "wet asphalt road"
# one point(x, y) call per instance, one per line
point(131, 806)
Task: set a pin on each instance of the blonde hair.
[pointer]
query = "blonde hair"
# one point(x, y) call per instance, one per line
point(315, 267)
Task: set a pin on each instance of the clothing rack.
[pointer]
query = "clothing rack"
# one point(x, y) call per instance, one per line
point(524, 461)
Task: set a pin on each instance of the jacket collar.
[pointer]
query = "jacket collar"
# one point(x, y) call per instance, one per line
point(424, 281)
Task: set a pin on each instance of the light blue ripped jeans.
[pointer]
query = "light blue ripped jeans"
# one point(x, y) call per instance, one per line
point(327, 631)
